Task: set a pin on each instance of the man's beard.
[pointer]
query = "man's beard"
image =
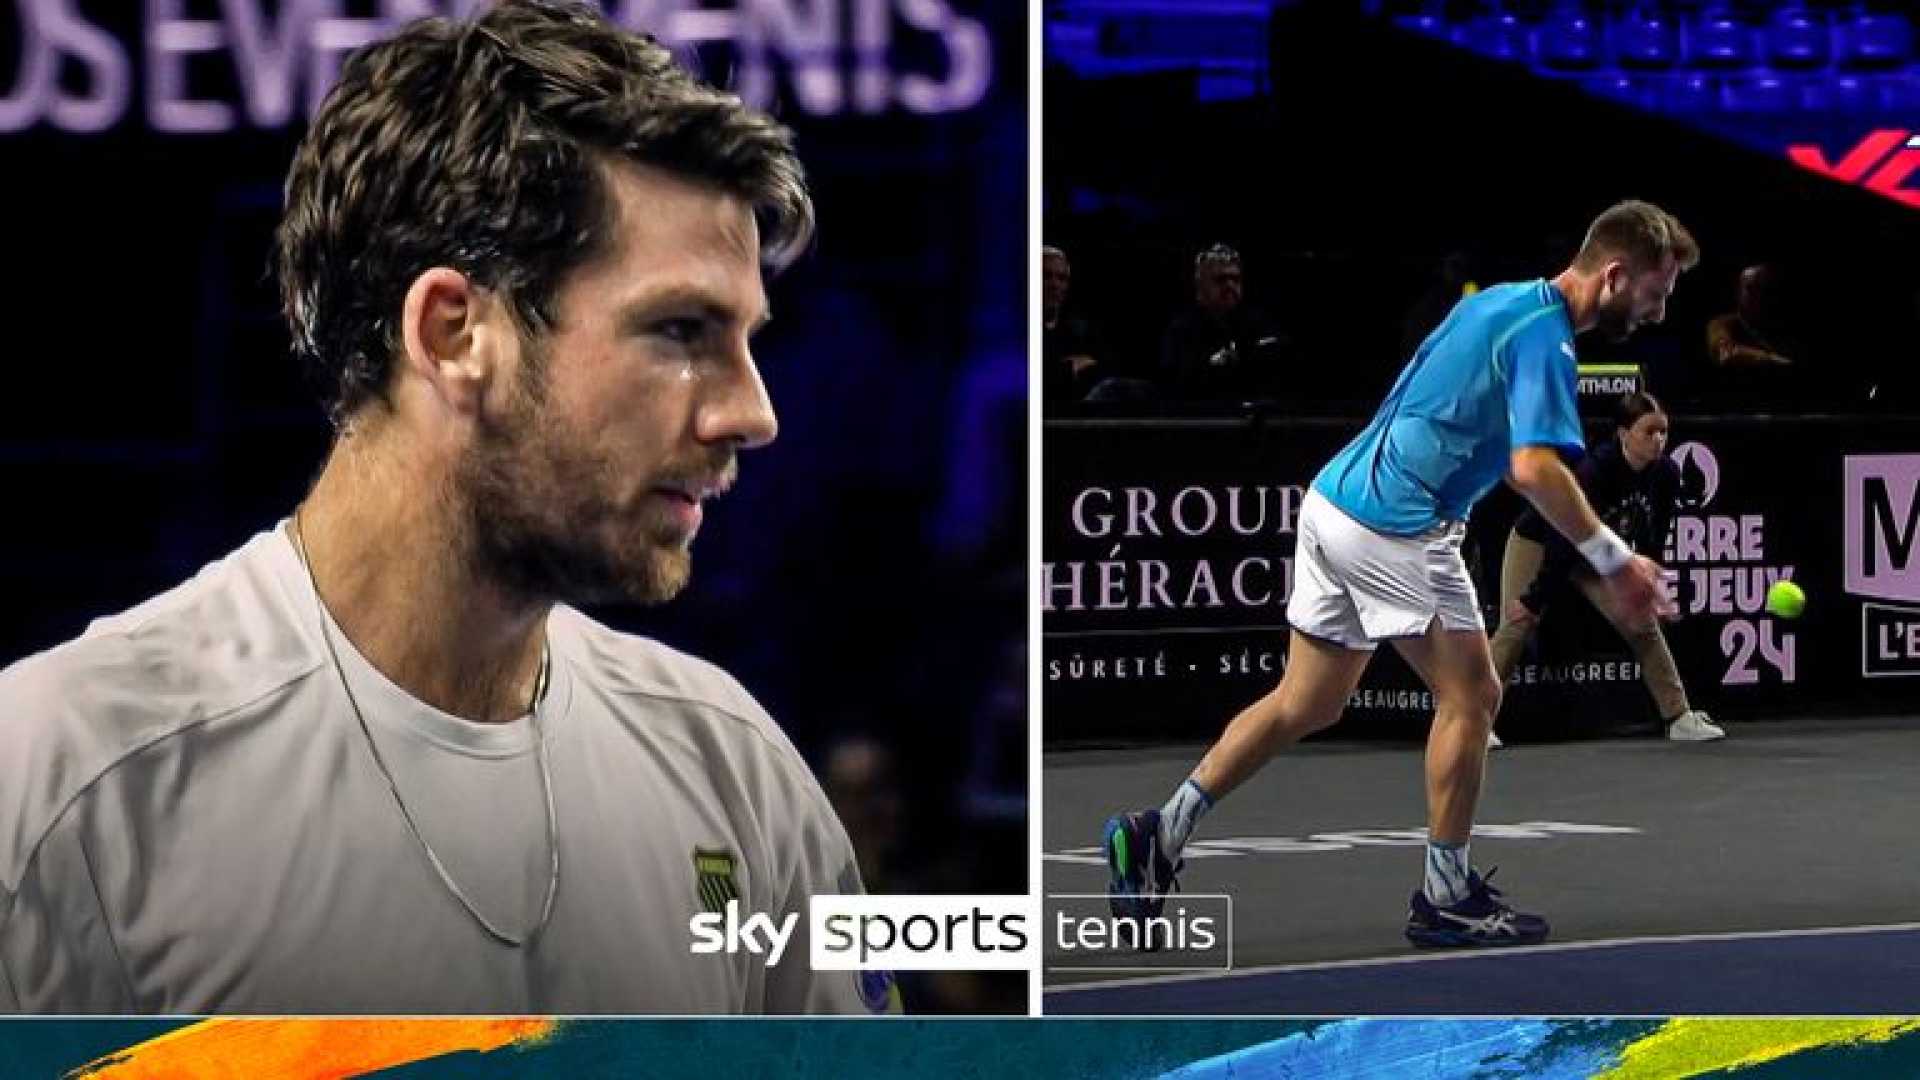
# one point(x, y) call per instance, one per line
point(532, 502)
point(1616, 323)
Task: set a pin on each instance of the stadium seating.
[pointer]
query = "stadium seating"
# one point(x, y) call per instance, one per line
point(1732, 56)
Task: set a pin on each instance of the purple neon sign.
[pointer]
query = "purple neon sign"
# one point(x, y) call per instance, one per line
point(835, 55)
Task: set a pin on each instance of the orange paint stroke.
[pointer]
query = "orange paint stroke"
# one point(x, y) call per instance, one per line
point(304, 1049)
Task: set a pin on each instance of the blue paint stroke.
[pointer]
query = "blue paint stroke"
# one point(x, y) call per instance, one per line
point(1400, 1048)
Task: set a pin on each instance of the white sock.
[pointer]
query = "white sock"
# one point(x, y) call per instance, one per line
point(1180, 815)
point(1447, 869)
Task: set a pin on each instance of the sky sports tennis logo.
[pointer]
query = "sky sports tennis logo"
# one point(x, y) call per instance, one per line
point(857, 932)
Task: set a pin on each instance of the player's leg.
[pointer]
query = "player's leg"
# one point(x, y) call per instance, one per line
point(1657, 669)
point(1456, 666)
point(1518, 567)
point(1143, 847)
point(1454, 905)
point(1319, 679)
point(1328, 649)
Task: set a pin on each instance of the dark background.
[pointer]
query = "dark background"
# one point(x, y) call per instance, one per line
point(866, 578)
point(1351, 154)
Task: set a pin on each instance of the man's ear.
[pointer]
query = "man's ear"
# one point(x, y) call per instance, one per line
point(444, 340)
point(1614, 275)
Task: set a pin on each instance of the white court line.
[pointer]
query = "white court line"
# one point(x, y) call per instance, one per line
point(1489, 953)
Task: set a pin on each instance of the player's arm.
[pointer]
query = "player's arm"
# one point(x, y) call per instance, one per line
point(1559, 557)
point(1538, 473)
point(1542, 420)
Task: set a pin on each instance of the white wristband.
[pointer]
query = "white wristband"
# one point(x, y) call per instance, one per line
point(1605, 551)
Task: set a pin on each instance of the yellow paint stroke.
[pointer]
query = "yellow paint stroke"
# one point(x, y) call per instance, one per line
point(304, 1049)
point(1691, 1047)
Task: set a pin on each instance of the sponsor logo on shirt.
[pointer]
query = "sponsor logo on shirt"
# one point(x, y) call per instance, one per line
point(713, 883)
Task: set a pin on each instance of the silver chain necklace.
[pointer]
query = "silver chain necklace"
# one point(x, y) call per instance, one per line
point(539, 753)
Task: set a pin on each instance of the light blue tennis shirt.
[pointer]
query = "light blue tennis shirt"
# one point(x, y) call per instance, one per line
point(1498, 374)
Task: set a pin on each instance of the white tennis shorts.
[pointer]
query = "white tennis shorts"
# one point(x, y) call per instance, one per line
point(1356, 587)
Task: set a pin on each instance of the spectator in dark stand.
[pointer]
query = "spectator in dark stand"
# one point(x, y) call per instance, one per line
point(859, 782)
point(1067, 345)
point(1221, 348)
point(1749, 336)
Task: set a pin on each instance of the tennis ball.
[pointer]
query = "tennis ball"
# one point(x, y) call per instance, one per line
point(1785, 599)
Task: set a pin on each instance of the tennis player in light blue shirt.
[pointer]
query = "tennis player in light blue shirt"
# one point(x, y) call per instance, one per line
point(1489, 395)
point(1498, 373)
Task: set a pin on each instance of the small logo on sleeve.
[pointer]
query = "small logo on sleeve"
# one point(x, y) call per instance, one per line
point(713, 881)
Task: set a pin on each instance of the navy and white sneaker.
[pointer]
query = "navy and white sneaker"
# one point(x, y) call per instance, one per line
point(1481, 920)
point(1142, 874)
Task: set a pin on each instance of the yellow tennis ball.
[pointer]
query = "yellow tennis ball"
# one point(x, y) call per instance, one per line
point(1785, 599)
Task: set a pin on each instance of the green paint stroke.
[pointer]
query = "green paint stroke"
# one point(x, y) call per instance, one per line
point(1695, 1047)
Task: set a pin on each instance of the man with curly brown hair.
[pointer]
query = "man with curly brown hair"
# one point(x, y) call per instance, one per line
point(372, 761)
